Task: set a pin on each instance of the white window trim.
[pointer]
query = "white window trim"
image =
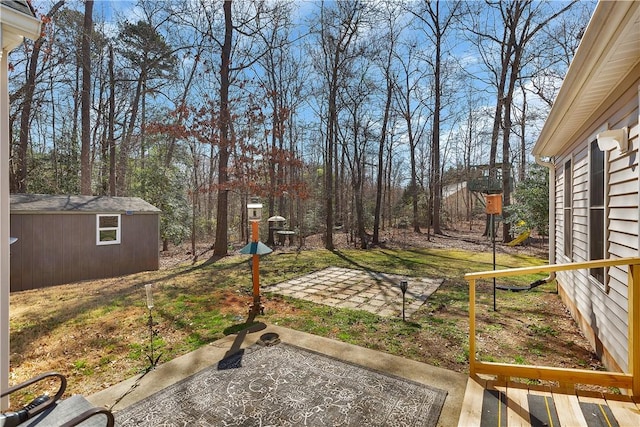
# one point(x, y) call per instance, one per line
point(604, 285)
point(117, 230)
point(566, 208)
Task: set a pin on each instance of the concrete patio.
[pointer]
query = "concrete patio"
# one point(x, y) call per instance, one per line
point(377, 293)
point(135, 389)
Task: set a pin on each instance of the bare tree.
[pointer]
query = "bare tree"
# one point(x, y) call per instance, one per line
point(150, 57)
point(220, 245)
point(19, 181)
point(249, 27)
point(338, 32)
point(85, 161)
point(412, 107)
point(281, 79)
point(383, 132)
point(555, 48)
point(354, 140)
point(520, 22)
point(437, 22)
point(390, 38)
point(111, 125)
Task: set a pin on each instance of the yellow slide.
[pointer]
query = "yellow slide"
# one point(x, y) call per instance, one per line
point(521, 238)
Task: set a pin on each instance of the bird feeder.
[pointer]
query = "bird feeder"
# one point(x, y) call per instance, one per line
point(255, 248)
point(254, 211)
point(494, 204)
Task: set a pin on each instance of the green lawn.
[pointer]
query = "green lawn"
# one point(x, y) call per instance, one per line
point(97, 331)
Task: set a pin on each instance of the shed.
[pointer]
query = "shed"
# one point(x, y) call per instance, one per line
point(64, 239)
point(590, 144)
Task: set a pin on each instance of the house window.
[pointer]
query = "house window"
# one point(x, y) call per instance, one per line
point(108, 229)
point(568, 217)
point(596, 209)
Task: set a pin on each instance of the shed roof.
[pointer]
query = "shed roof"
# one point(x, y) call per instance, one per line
point(47, 203)
point(608, 53)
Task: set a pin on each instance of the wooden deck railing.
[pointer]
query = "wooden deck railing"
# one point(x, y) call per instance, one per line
point(629, 380)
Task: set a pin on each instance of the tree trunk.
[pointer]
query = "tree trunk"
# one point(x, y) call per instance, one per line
point(112, 125)
point(506, 144)
point(497, 122)
point(436, 184)
point(125, 145)
point(330, 152)
point(381, 148)
point(220, 246)
point(414, 180)
point(523, 140)
point(210, 182)
point(85, 158)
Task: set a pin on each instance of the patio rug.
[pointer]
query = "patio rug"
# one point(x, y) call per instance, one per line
point(284, 385)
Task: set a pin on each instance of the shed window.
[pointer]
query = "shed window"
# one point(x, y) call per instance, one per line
point(596, 210)
point(568, 217)
point(108, 229)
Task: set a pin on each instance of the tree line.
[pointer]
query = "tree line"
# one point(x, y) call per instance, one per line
point(350, 115)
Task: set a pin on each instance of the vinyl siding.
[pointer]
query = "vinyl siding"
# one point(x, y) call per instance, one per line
point(623, 228)
point(603, 308)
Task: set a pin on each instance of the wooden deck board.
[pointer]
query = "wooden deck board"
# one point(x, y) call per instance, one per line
point(625, 410)
point(518, 406)
point(549, 415)
point(494, 406)
point(471, 412)
point(569, 411)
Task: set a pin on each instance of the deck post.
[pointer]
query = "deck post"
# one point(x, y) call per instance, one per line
point(4, 223)
point(634, 318)
point(472, 326)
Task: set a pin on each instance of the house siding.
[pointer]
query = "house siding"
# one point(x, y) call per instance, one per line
point(558, 205)
point(62, 248)
point(603, 308)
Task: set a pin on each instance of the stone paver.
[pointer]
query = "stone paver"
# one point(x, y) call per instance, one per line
point(377, 293)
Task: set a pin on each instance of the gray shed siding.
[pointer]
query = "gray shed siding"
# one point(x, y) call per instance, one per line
point(58, 248)
point(603, 308)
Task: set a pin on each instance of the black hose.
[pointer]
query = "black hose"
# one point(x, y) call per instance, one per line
point(537, 283)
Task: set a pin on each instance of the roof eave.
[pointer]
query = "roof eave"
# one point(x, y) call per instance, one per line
point(17, 25)
point(610, 22)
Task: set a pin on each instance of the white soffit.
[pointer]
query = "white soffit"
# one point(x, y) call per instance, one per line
point(608, 52)
point(17, 24)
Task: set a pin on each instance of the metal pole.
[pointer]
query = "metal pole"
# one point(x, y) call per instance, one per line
point(493, 239)
point(152, 359)
point(151, 339)
point(255, 270)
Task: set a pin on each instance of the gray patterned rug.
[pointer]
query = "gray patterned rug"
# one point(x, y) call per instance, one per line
point(283, 385)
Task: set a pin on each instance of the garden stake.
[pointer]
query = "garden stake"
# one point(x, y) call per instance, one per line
point(153, 361)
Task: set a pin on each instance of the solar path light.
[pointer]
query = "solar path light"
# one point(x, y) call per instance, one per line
point(403, 287)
